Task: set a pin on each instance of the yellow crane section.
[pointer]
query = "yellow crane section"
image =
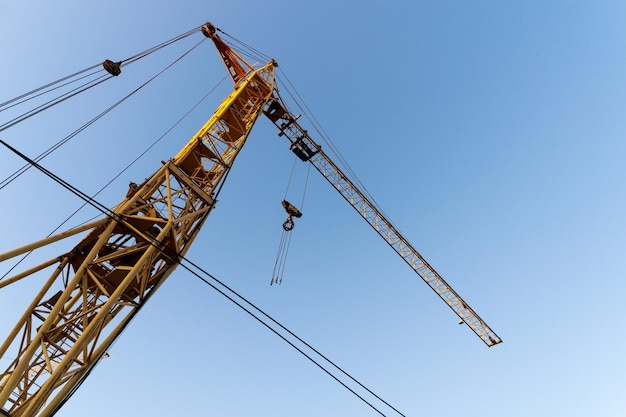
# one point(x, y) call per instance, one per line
point(97, 287)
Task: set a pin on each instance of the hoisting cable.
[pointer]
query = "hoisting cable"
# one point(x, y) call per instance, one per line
point(31, 94)
point(281, 258)
point(176, 257)
point(281, 255)
point(306, 181)
point(288, 225)
point(63, 141)
point(243, 48)
point(147, 52)
point(119, 174)
point(293, 168)
point(83, 87)
point(306, 184)
point(54, 102)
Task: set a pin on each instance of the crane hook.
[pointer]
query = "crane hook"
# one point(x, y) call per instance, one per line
point(283, 248)
point(292, 212)
point(289, 224)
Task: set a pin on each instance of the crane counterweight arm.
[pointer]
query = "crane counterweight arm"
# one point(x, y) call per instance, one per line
point(307, 149)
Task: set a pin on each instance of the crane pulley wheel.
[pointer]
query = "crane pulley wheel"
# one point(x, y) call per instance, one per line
point(292, 212)
point(291, 209)
point(112, 68)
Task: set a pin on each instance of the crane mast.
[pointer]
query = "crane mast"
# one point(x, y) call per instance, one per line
point(95, 289)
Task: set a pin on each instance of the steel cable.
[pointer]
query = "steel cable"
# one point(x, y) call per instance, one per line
point(32, 94)
point(63, 141)
point(177, 258)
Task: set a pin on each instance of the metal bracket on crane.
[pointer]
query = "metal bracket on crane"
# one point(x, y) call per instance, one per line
point(285, 125)
point(276, 112)
point(208, 30)
point(302, 145)
point(302, 149)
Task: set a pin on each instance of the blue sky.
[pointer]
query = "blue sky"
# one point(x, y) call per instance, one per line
point(491, 134)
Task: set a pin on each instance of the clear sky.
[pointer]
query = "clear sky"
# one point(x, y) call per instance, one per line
point(491, 133)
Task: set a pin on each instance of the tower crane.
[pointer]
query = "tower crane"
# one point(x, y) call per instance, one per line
point(96, 288)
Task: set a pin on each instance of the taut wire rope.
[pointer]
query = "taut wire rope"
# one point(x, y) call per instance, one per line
point(63, 141)
point(31, 94)
point(176, 257)
point(119, 174)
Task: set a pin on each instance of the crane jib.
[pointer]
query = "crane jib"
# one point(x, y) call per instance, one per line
point(306, 149)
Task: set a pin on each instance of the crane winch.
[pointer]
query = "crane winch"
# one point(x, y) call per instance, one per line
point(96, 288)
